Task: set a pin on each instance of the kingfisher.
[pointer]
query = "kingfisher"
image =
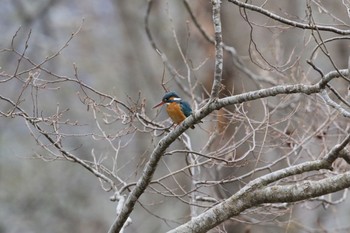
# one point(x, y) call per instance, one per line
point(177, 109)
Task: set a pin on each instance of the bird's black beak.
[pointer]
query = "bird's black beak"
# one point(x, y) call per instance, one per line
point(160, 104)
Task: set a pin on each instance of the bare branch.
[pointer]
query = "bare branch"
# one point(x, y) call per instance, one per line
point(257, 192)
point(287, 21)
point(218, 50)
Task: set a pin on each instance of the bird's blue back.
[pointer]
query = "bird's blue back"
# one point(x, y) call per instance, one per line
point(186, 108)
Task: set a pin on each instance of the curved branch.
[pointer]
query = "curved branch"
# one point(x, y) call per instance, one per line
point(287, 21)
point(165, 142)
point(146, 177)
point(278, 193)
point(263, 93)
point(256, 192)
point(164, 58)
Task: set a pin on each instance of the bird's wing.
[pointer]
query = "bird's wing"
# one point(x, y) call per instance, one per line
point(186, 108)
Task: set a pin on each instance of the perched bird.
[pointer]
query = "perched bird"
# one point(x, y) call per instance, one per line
point(177, 108)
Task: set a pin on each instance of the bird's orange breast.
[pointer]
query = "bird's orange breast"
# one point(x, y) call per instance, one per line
point(174, 111)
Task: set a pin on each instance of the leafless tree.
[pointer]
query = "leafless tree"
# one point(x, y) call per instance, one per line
point(271, 121)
